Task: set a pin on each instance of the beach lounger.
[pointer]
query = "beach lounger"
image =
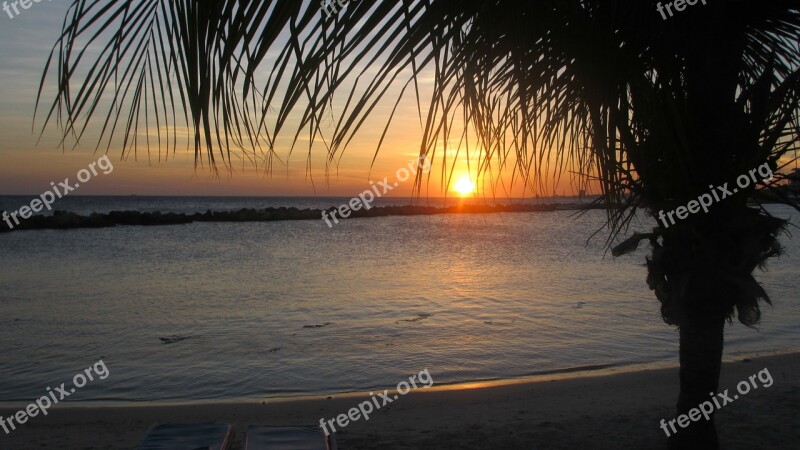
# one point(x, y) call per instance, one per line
point(205, 436)
point(288, 438)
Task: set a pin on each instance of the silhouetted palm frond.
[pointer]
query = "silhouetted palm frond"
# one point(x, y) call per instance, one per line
point(652, 110)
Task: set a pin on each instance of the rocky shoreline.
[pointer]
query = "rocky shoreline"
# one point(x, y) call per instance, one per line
point(64, 220)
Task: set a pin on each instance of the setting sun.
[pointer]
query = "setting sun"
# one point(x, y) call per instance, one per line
point(464, 186)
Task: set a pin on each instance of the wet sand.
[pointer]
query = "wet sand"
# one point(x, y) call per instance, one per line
point(579, 411)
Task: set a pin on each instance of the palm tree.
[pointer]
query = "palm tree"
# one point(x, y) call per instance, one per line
point(652, 109)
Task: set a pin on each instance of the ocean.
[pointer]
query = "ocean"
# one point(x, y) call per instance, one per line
point(256, 310)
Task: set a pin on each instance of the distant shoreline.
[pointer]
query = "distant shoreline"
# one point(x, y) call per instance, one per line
point(64, 220)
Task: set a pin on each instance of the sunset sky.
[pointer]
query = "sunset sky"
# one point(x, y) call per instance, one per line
point(26, 168)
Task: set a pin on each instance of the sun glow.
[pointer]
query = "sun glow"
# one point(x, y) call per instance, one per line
point(464, 186)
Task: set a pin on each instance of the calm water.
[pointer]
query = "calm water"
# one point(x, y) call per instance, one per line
point(468, 297)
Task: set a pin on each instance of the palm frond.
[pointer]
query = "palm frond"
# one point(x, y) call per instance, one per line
point(651, 110)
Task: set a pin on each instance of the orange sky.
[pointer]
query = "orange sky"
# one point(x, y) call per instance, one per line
point(27, 168)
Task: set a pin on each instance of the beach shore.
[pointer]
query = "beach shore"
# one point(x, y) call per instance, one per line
point(590, 411)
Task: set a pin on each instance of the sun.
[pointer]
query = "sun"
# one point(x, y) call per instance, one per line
point(464, 186)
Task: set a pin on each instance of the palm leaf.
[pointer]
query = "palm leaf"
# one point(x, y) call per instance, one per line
point(651, 111)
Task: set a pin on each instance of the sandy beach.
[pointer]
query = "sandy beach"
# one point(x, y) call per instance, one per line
point(606, 411)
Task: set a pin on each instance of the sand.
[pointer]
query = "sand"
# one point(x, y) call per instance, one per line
point(581, 411)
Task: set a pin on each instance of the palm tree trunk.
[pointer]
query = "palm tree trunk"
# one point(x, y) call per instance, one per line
point(701, 342)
